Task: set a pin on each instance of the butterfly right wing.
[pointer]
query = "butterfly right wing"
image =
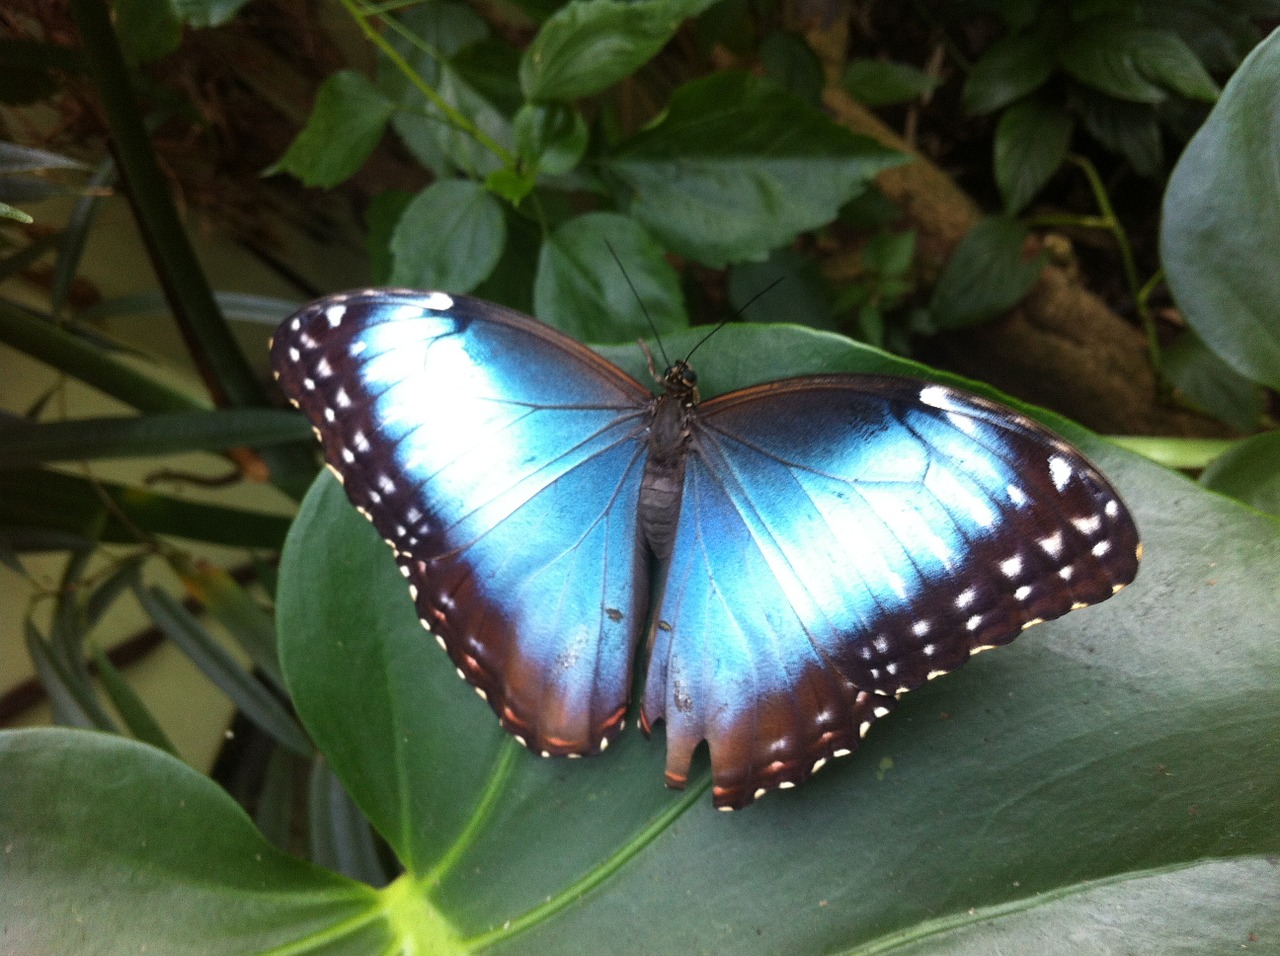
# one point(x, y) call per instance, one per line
point(502, 462)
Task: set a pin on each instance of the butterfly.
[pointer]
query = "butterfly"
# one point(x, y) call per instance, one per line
point(793, 556)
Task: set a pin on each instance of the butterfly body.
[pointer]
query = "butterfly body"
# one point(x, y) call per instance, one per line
point(792, 556)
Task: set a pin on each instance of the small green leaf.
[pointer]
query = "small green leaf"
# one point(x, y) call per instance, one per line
point(1104, 55)
point(147, 30)
point(1206, 382)
point(588, 45)
point(883, 83)
point(15, 159)
point(236, 610)
point(346, 123)
point(206, 13)
point(1130, 129)
point(9, 212)
point(449, 237)
point(986, 276)
point(73, 701)
point(510, 185)
point(738, 167)
point(1249, 472)
point(24, 444)
point(1010, 69)
point(581, 290)
point(137, 717)
point(50, 503)
point(791, 63)
point(1162, 57)
point(246, 691)
point(551, 138)
point(1030, 146)
point(1222, 213)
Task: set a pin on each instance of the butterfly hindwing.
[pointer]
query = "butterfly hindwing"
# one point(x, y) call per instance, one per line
point(842, 539)
point(502, 463)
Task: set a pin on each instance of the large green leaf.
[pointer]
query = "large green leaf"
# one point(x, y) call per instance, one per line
point(349, 117)
point(1101, 765)
point(112, 847)
point(738, 167)
point(1222, 222)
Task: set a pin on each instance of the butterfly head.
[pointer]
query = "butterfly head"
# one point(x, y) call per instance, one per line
point(681, 381)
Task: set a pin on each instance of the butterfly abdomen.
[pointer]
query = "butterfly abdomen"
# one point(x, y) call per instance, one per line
point(663, 482)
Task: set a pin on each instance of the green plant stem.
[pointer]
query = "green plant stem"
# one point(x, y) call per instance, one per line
point(226, 373)
point(362, 14)
point(1112, 223)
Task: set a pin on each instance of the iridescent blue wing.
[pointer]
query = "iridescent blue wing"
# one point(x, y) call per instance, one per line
point(502, 463)
point(843, 539)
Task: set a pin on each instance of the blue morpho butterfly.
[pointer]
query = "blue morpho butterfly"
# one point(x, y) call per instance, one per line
point(795, 556)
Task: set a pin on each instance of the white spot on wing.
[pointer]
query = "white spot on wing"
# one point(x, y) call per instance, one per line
point(437, 302)
point(1087, 526)
point(1011, 567)
point(1052, 545)
point(334, 314)
point(965, 598)
point(1016, 495)
point(1059, 471)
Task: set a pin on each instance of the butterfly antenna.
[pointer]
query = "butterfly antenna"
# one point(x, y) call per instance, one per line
point(640, 302)
point(737, 315)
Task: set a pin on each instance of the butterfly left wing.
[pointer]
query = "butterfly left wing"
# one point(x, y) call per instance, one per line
point(501, 461)
point(843, 539)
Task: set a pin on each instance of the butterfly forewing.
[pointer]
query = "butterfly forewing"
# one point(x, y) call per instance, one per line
point(842, 540)
point(502, 463)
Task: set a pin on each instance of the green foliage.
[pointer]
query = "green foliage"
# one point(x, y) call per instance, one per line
point(542, 167)
point(987, 275)
point(349, 118)
point(878, 83)
point(1122, 69)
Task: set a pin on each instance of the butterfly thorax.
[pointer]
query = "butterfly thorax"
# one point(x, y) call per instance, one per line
point(663, 481)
